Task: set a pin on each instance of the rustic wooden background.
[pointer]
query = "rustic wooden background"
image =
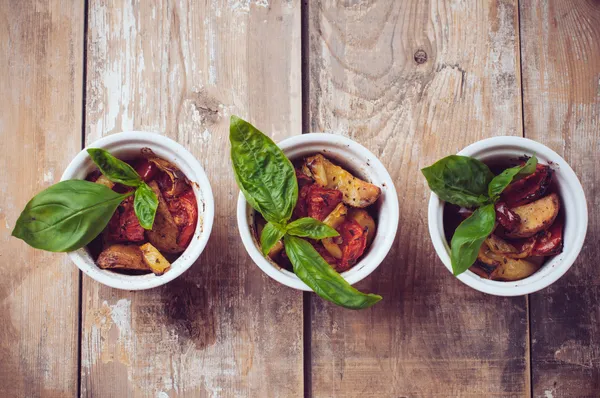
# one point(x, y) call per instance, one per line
point(412, 80)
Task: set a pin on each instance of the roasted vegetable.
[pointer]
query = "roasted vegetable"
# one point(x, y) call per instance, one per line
point(124, 225)
point(122, 257)
point(501, 268)
point(334, 220)
point(103, 180)
point(165, 233)
point(146, 169)
point(321, 201)
point(506, 217)
point(353, 244)
point(153, 259)
point(364, 219)
point(518, 249)
point(172, 181)
point(528, 189)
point(535, 216)
point(550, 242)
point(185, 214)
point(356, 192)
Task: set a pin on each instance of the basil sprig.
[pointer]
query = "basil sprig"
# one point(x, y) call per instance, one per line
point(145, 202)
point(468, 182)
point(69, 215)
point(267, 179)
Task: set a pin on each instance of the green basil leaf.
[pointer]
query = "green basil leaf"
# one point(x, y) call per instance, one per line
point(263, 173)
point(270, 235)
point(502, 180)
point(310, 267)
point(308, 227)
point(460, 180)
point(145, 204)
point(469, 237)
point(114, 169)
point(67, 215)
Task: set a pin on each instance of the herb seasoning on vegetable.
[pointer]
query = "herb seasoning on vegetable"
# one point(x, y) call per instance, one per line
point(312, 216)
point(505, 225)
point(132, 216)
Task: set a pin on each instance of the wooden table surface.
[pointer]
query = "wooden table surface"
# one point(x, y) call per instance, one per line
point(412, 80)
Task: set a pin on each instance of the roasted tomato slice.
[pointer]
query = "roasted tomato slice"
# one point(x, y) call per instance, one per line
point(303, 179)
point(321, 201)
point(506, 217)
point(528, 189)
point(184, 210)
point(353, 245)
point(550, 242)
point(147, 170)
point(300, 210)
point(124, 225)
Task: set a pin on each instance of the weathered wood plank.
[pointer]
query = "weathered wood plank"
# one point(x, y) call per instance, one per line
point(415, 81)
point(41, 65)
point(561, 87)
point(182, 69)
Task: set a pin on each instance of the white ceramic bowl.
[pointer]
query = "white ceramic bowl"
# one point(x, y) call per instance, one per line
point(128, 145)
point(360, 162)
point(573, 204)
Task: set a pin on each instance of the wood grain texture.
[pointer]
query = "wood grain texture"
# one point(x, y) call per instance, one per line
point(41, 64)
point(415, 81)
point(182, 69)
point(561, 87)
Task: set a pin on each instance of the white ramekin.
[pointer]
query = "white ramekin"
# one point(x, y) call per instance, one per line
point(128, 145)
point(573, 204)
point(362, 163)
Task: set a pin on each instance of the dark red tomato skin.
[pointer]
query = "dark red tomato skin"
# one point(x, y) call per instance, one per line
point(147, 170)
point(301, 210)
point(550, 242)
point(321, 201)
point(353, 245)
point(528, 189)
point(506, 217)
point(124, 225)
point(184, 210)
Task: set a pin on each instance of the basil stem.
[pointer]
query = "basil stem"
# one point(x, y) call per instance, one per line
point(67, 215)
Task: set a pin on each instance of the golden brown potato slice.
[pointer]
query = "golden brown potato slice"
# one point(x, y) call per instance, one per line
point(501, 268)
point(103, 180)
point(357, 193)
point(164, 232)
point(500, 246)
point(364, 219)
point(153, 259)
point(536, 216)
point(122, 257)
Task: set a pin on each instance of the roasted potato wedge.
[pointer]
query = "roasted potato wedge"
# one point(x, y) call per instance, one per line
point(153, 259)
point(500, 246)
point(535, 217)
point(357, 193)
point(501, 268)
point(122, 257)
point(512, 269)
point(103, 180)
point(164, 232)
point(364, 219)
